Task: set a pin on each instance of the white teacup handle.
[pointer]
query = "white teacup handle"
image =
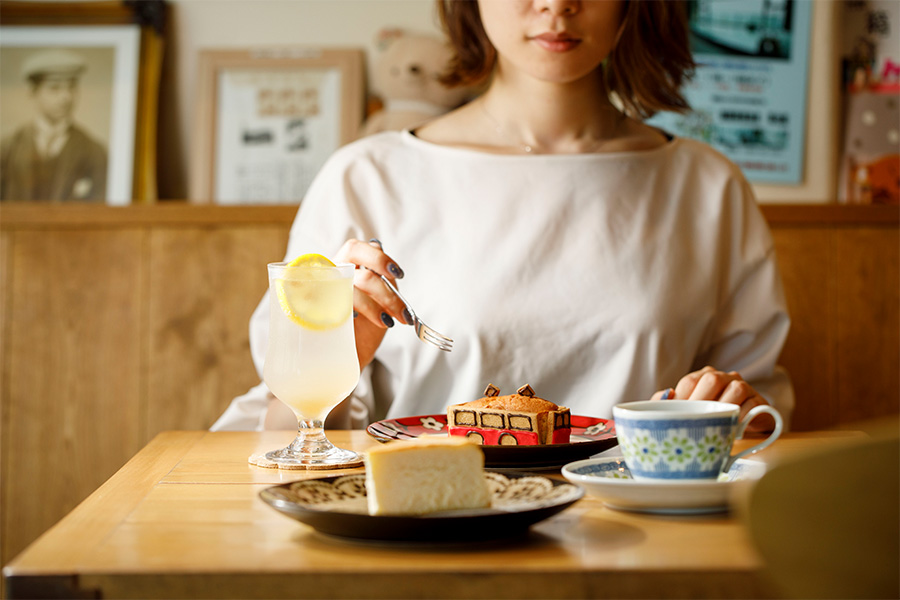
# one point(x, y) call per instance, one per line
point(754, 412)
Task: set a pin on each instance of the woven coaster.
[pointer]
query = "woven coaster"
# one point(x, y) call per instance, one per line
point(260, 460)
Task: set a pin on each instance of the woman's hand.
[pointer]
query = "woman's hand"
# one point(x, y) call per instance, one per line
point(711, 384)
point(375, 308)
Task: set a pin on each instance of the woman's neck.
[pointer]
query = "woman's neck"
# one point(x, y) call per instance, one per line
point(549, 117)
point(535, 117)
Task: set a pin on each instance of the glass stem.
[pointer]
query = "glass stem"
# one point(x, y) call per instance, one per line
point(310, 438)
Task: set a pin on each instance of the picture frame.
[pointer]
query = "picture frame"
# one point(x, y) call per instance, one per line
point(121, 46)
point(815, 160)
point(268, 118)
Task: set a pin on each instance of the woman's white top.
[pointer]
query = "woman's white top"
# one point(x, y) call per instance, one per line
point(595, 278)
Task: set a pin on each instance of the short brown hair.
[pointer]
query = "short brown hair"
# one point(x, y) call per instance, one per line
point(645, 70)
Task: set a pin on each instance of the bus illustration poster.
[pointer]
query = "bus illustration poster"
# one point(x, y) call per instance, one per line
point(748, 94)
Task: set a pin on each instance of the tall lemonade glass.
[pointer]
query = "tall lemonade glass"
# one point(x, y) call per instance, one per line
point(311, 363)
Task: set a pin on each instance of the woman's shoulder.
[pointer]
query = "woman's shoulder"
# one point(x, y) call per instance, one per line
point(363, 162)
point(703, 156)
point(374, 145)
point(717, 184)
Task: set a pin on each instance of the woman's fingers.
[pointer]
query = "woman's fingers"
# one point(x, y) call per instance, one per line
point(372, 300)
point(711, 384)
point(737, 392)
point(687, 384)
point(743, 394)
point(369, 255)
point(375, 307)
point(666, 394)
point(371, 306)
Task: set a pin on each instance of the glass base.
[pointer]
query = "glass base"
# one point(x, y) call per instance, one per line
point(336, 458)
point(312, 450)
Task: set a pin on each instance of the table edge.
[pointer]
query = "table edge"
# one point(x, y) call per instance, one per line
point(143, 471)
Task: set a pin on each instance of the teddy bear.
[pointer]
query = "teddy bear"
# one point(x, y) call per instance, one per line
point(405, 80)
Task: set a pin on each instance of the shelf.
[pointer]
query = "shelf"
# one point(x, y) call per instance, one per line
point(38, 216)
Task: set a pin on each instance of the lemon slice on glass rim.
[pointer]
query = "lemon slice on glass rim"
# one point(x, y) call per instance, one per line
point(314, 296)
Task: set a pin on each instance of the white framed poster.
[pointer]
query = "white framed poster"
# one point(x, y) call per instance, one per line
point(749, 92)
point(269, 119)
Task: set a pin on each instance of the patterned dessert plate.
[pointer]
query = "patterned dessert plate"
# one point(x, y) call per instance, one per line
point(590, 435)
point(610, 480)
point(337, 506)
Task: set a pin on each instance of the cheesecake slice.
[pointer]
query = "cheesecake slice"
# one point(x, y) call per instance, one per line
point(425, 475)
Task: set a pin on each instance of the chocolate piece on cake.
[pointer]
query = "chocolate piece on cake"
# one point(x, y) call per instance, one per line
point(517, 419)
point(525, 390)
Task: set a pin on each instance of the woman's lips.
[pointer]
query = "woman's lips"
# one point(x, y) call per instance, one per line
point(555, 42)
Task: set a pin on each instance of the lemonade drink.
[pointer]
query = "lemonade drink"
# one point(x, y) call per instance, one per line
point(311, 362)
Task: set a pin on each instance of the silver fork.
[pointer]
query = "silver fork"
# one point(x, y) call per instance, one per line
point(425, 333)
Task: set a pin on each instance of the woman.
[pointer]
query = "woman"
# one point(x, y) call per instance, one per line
point(557, 239)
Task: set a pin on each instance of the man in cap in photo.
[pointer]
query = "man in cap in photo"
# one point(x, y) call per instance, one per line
point(51, 158)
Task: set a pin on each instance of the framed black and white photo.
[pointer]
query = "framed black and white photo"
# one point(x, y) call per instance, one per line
point(78, 102)
point(267, 120)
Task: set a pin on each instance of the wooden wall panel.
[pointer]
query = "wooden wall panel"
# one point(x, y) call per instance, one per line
point(806, 257)
point(204, 285)
point(6, 243)
point(867, 324)
point(843, 350)
point(72, 374)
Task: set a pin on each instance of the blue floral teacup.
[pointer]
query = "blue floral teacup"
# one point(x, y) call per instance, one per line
point(683, 440)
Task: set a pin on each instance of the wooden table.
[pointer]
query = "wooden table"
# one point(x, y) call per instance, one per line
point(183, 519)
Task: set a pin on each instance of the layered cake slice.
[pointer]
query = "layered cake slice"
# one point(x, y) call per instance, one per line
point(517, 419)
point(425, 475)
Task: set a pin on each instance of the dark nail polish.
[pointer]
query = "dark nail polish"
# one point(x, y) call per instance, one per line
point(387, 320)
point(407, 317)
point(395, 271)
point(355, 313)
point(375, 241)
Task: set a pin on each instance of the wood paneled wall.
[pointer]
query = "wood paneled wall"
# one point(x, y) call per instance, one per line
point(840, 269)
point(118, 323)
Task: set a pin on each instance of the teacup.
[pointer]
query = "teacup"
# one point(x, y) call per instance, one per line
point(684, 440)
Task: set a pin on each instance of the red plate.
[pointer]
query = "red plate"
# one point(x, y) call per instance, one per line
point(590, 435)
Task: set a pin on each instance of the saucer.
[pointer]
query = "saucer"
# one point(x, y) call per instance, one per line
point(610, 480)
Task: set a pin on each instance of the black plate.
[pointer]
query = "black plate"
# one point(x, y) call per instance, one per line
point(590, 435)
point(336, 506)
